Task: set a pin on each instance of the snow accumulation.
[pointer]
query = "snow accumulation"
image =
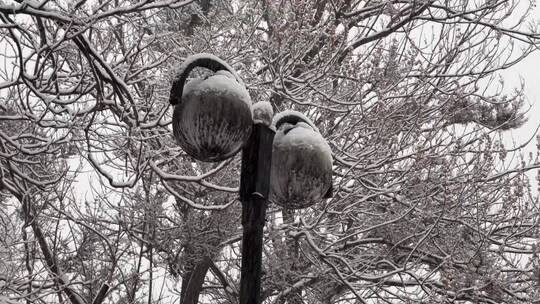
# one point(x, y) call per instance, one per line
point(294, 117)
point(226, 74)
point(263, 112)
point(302, 136)
point(219, 84)
point(6, 300)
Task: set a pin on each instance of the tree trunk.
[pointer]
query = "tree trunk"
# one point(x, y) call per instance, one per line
point(192, 282)
point(293, 254)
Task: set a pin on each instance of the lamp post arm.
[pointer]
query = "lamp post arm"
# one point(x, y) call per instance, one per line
point(204, 60)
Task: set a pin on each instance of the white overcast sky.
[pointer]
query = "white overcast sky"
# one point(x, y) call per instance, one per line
point(529, 71)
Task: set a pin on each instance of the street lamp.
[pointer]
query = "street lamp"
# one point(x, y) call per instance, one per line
point(213, 119)
point(302, 173)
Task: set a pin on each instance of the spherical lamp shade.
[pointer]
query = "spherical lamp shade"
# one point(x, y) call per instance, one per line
point(212, 118)
point(301, 172)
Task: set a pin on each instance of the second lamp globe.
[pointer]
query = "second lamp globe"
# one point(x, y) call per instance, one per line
point(301, 173)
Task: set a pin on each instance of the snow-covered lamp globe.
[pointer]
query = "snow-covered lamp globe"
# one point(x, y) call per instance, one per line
point(212, 117)
point(301, 172)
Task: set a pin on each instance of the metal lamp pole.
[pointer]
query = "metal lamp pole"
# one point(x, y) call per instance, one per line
point(254, 189)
